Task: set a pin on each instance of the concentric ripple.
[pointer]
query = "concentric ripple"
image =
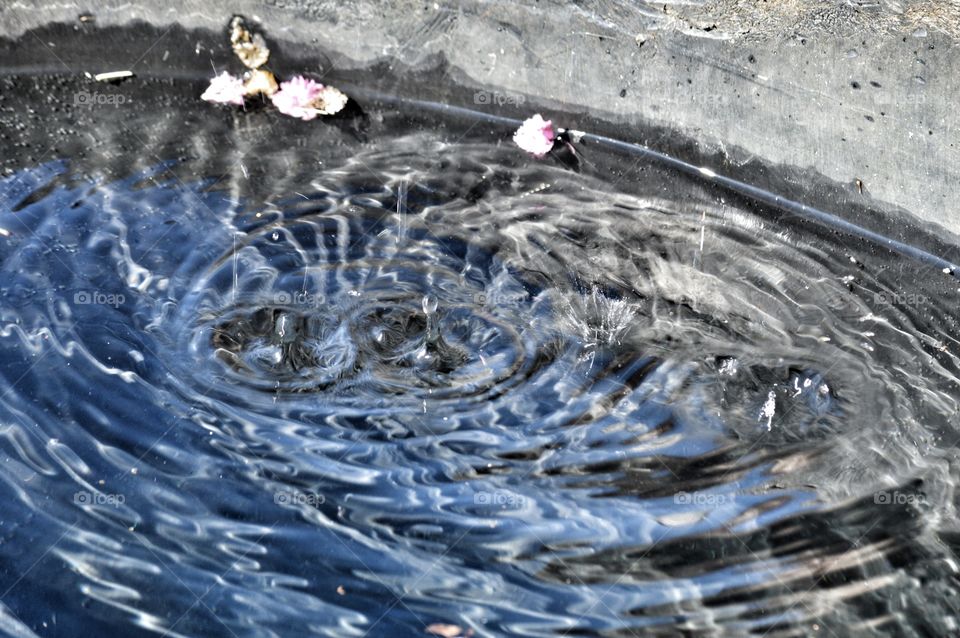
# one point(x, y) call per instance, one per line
point(352, 308)
point(364, 376)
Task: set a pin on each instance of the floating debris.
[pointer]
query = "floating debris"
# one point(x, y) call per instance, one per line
point(535, 136)
point(250, 47)
point(769, 409)
point(113, 76)
point(305, 99)
point(574, 135)
point(225, 89)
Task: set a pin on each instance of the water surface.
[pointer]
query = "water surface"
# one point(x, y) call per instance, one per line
point(263, 377)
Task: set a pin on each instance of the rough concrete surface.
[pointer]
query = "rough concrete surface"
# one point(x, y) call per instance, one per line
point(860, 92)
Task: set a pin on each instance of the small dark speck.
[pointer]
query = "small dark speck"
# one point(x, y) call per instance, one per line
point(929, 132)
point(689, 81)
point(623, 93)
point(869, 118)
point(874, 84)
point(752, 59)
point(855, 85)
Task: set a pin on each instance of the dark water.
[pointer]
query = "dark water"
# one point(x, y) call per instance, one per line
point(263, 377)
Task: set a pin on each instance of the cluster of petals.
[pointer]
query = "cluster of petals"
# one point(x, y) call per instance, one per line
point(535, 136)
point(298, 97)
point(225, 89)
point(305, 99)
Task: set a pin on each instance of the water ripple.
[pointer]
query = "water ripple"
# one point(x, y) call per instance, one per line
point(371, 388)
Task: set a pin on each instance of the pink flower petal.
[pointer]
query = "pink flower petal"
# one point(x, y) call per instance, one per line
point(535, 136)
point(296, 97)
point(225, 89)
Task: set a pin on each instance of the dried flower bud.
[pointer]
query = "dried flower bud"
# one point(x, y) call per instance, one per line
point(250, 47)
point(331, 100)
point(260, 81)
